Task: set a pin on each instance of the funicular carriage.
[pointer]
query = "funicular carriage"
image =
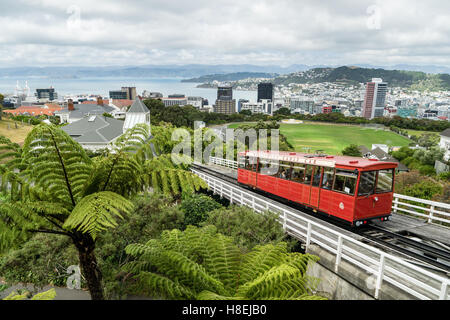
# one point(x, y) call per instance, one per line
point(351, 189)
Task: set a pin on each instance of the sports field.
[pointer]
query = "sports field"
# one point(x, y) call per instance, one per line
point(332, 138)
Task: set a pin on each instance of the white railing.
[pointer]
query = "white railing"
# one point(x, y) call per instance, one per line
point(382, 267)
point(224, 162)
point(431, 211)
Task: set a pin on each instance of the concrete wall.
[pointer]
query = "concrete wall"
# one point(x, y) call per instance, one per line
point(350, 282)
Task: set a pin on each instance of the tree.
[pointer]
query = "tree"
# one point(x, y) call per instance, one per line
point(283, 111)
point(352, 150)
point(205, 265)
point(54, 187)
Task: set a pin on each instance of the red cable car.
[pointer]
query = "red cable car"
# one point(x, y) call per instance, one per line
point(352, 189)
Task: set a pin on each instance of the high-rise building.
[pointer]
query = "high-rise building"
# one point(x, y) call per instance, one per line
point(265, 91)
point(128, 93)
point(374, 100)
point(225, 93)
point(225, 106)
point(47, 94)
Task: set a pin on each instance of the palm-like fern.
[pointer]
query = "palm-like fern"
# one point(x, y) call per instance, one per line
point(203, 264)
point(54, 187)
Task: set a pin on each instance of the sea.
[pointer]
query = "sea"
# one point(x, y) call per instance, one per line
point(102, 86)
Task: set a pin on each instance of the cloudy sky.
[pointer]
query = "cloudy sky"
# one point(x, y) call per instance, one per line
point(281, 32)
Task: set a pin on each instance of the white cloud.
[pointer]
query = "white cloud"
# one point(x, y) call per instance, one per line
point(106, 32)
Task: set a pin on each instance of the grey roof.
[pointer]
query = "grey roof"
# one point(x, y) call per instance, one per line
point(82, 110)
point(138, 106)
point(363, 149)
point(99, 130)
point(446, 133)
point(380, 154)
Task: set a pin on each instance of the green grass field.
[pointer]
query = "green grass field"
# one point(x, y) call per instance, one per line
point(332, 138)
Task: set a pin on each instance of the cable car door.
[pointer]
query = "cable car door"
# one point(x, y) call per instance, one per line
point(315, 184)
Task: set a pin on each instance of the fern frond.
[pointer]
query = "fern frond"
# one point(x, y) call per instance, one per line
point(97, 212)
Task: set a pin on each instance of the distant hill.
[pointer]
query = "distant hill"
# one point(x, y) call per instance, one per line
point(354, 75)
point(231, 76)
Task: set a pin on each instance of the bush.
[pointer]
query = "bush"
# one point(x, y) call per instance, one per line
point(42, 260)
point(196, 208)
point(427, 170)
point(45, 258)
point(424, 189)
point(445, 176)
point(247, 227)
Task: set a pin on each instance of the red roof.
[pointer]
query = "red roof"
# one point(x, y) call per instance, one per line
point(326, 161)
point(48, 109)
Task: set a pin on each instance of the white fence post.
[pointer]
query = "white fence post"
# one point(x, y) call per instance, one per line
point(444, 291)
point(430, 219)
point(380, 276)
point(338, 254)
point(308, 237)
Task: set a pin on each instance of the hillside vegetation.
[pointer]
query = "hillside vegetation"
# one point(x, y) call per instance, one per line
point(354, 75)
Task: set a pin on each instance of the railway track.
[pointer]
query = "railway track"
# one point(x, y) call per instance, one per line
point(433, 257)
point(422, 251)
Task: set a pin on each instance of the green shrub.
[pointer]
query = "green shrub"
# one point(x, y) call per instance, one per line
point(196, 208)
point(247, 227)
point(424, 189)
point(42, 260)
point(427, 170)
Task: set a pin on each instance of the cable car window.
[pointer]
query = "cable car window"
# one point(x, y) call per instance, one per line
point(298, 172)
point(345, 181)
point(250, 163)
point(268, 167)
point(241, 162)
point(316, 177)
point(308, 174)
point(327, 181)
point(367, 183)
point(285, 170)
point(384, 182)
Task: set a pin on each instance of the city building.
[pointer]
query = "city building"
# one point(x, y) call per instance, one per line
point(265, 91)
point(240, 102)
point(225, 106)
point(48, 94)
point(225, 93)
point(265, 106)
point(196, 102)
point(374, 99)
point(128, 93)
point(301, 105)
point(175, 100)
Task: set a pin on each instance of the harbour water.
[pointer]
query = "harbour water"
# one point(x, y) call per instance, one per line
point(102, 86)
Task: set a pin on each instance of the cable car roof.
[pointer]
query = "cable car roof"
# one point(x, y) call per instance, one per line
point(321, 159)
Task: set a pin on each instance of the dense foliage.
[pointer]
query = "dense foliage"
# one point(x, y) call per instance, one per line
point(55, 187)
point(352, 150)
point(196, 208)
point(247, 228)
point(204, 264)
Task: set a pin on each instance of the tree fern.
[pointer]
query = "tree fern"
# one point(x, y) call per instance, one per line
point(202, 264)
